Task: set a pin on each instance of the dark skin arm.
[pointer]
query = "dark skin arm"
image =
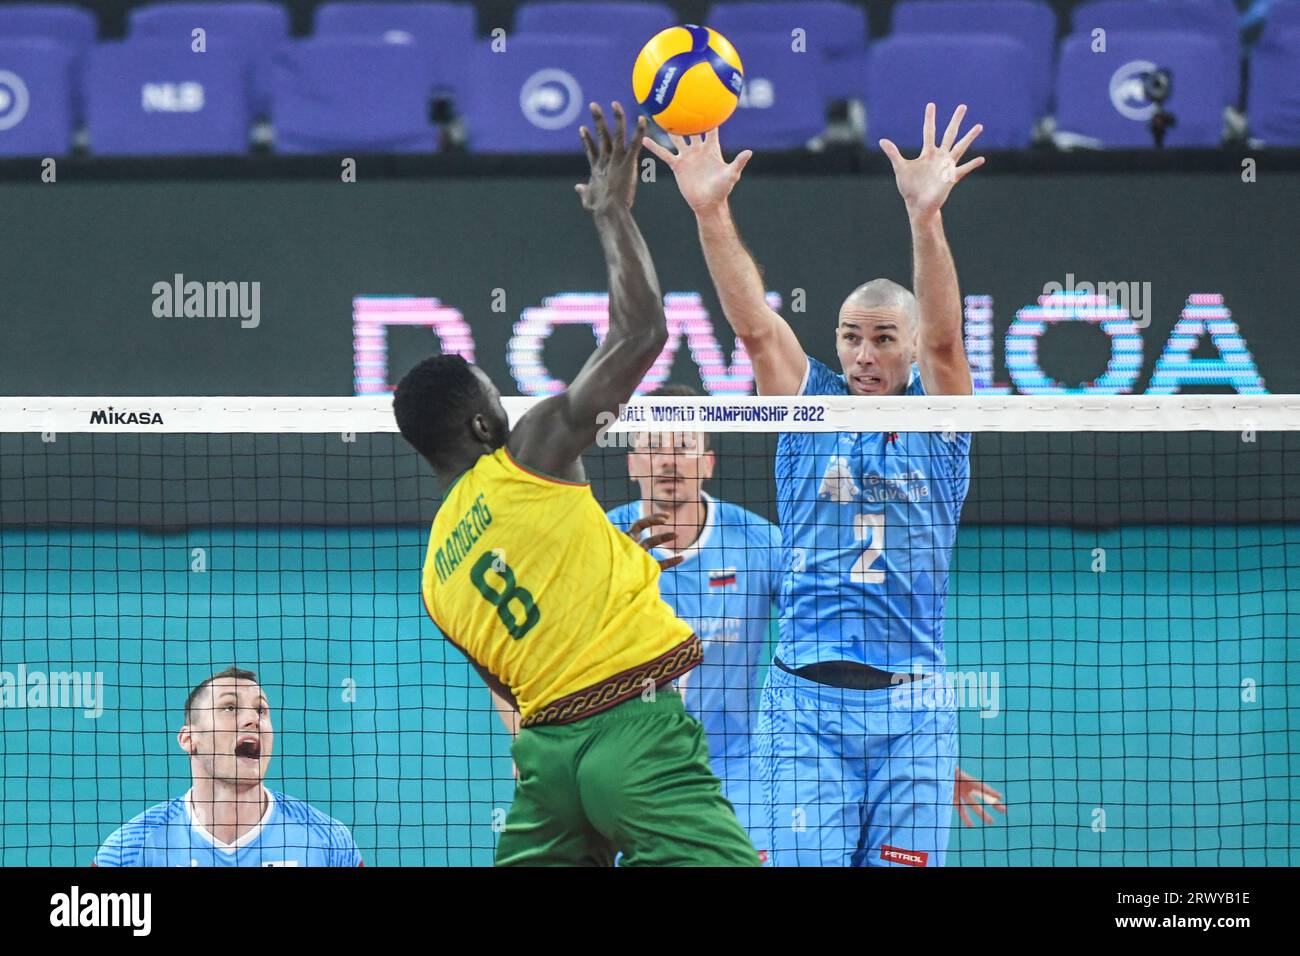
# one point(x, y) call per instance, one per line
point(650, 542)
point(551, 438)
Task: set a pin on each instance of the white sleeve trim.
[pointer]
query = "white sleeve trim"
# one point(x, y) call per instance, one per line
point(807, 374)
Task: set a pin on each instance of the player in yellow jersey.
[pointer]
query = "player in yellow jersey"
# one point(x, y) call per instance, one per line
point(557, 609)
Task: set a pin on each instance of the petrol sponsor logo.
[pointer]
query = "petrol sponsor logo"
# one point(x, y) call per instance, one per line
point(908, 857)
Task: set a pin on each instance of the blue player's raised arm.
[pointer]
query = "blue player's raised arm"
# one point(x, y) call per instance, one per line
point(924, 184)
point(706, 181)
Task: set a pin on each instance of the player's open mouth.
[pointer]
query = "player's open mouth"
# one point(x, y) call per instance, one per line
point(249, 747)
point(866, 382)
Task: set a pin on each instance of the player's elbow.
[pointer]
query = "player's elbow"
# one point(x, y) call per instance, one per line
point(646, 343)
point(949, 375)
point(759, 336)
point(944, 350)
point(627, 354)
point(658, 338)
point(754, 322)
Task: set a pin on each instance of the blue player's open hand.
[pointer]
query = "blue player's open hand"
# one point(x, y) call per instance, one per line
point(970, 792)
point(925, 182)
point(703, 176)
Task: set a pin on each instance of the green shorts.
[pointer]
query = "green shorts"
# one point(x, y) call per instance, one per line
point(634, 779)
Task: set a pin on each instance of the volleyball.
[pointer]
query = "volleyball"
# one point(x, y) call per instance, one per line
point(688, 79)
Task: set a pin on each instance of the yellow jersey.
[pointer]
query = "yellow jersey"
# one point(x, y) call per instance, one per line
point(528, 576)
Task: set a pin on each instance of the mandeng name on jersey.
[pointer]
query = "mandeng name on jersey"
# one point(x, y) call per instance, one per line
point(464, 536)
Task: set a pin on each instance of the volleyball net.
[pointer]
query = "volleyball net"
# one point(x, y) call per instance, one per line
point(1118, 642)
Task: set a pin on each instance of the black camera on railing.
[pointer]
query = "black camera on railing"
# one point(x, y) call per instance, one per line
point(1158, 86)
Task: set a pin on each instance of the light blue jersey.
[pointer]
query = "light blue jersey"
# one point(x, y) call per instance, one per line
point(862, 777)
point(725, 589)
point(292, 833)
point(868, 520)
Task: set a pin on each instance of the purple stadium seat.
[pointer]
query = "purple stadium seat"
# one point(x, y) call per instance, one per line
point(334, 94)
point(153, 97)
point(35, 98)
point(1032, 22)
point(445, 32)
point(627, 23)
point(533, 99)
point(1283, 17)
point(1274, 103)
point(781, 104)
point(984, 72)
point(834, 31)
point(1192, 16)
point(248, 30)
point(1100, 95)
point(1214, 19)
point(71, 26)
point(422, 22)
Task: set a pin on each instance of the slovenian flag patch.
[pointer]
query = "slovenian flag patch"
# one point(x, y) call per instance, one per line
point(721, 579)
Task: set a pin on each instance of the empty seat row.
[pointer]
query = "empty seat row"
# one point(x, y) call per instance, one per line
point(366, 80)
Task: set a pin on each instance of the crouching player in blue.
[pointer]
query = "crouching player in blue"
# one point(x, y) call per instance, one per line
point(228, 817)
point(721, 574)
point(857, 733)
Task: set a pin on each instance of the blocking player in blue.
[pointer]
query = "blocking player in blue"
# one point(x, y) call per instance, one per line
point(857, 728)
point(228, 817)
point(727, 559)
point(721, 574)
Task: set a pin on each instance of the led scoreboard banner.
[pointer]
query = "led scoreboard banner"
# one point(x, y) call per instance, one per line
point(1141, 283)
point(1204, 319)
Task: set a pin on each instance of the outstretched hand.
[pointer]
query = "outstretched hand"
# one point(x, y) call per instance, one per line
point(926, 181)
point(973, 793)
point(613, 160)
point(654, 540)
point(703, 176)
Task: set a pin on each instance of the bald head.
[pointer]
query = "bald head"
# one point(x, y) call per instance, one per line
point(875, 338)
point(882, 294)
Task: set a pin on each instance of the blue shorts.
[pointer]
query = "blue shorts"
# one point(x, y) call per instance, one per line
point(856, 778)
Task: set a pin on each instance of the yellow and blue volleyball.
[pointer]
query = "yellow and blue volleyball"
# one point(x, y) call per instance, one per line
point(688, 79)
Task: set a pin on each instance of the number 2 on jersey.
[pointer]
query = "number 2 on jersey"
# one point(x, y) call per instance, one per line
point(873, 526)
point(511, 592)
